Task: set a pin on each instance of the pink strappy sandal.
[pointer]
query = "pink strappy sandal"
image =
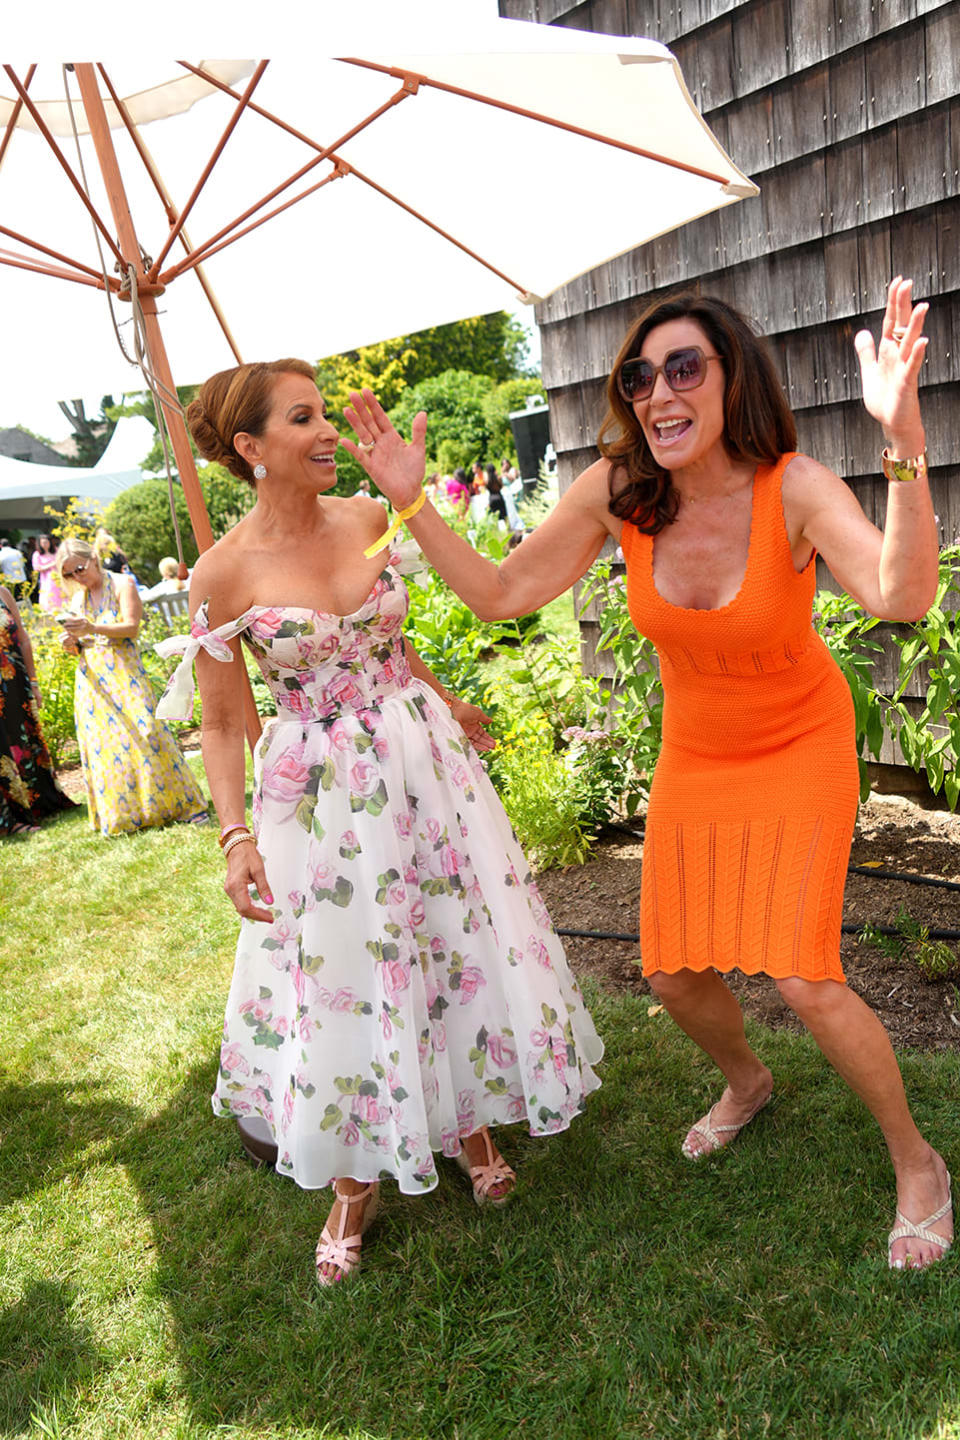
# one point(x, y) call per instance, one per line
point(483, 1178)
point(343, 1250)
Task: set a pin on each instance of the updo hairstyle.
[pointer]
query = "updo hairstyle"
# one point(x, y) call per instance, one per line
point(235, 402)
point(759, 425)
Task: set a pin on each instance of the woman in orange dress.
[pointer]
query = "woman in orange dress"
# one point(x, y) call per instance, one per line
point(754, 798)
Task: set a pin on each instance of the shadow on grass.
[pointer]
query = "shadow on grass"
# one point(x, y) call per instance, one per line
point(625, 1292)
point(47, 1352)
point(46, 1355)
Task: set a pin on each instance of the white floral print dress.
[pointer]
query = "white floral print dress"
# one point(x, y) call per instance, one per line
point(411, 987)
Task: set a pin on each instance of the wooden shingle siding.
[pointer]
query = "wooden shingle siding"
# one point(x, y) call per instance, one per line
point(847, 115)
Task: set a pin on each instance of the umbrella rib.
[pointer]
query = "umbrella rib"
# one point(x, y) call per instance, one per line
point(399, 74)
point(25, 263)
point(244, 101)
point(15, 115)
point(44, 131)
point(54, 254)
point(325, 152)
point(149, 164)
point(522, 290)
point(204, 253)
point(210, 247)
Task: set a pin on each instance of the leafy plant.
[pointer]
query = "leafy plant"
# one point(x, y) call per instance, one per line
point(635, 709)
point(140, 517)
point(929, 741)
point(912, 945)
point(448, 637)
point(55, 672)
point(545, 808)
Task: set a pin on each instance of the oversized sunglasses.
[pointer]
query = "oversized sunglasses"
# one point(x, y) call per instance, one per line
point(77, 570)
point(684, 369)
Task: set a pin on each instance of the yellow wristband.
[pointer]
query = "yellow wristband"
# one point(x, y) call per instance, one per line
point(398, 519)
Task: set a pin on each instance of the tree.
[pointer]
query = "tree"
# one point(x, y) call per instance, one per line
point(458, 431)
point(140, 517)
point(468, 416)
point(142, 404)
point(494, 345)
point(511, 395)
point(91, 437)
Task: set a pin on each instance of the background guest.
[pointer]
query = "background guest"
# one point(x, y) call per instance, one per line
point(13, 568)
point(50, 597)
point(28, 786)
point(134, 771)
point(169, 583)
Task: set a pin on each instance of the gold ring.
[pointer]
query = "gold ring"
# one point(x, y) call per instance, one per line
point(369, 446)
point(897, 333)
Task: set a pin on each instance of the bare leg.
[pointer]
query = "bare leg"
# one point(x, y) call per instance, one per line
point(858, 1047)
point(703, 1007)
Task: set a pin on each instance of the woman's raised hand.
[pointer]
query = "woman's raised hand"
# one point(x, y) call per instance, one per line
point(395, 466)
point(890, 371)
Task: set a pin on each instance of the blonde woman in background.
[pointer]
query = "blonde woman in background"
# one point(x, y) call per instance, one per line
point(134, 771)
point(169, 583)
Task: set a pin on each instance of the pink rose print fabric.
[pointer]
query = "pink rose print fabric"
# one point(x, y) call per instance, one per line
point(411, 987)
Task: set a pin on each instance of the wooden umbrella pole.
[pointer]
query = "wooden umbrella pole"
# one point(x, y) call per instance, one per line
point(160, 367)
point(187, 470)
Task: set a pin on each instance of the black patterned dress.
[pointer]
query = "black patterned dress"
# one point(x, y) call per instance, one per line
point(28, 786)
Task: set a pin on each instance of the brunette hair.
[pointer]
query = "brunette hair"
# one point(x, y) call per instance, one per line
point(758, 423)
point(234, 402)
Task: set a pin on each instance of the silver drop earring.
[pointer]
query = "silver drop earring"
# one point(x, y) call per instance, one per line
point(259, 472)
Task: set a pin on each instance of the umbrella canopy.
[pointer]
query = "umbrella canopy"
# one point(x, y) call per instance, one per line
point(503, 169)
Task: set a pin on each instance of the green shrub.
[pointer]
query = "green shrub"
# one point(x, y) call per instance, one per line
point(929, 741)
point(141, 521)
point(545, 807)
point(458, 426)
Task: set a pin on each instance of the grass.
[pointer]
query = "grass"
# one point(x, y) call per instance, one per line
point(152, 1284)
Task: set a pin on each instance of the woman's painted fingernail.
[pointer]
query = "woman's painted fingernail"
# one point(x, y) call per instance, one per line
point(268, 898)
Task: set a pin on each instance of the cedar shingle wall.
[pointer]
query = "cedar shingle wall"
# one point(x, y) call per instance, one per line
point(847, 115)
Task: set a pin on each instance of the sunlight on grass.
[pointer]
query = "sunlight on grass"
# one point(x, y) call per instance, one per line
point(152, 1284)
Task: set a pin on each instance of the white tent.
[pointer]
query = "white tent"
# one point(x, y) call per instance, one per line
point(25, 488)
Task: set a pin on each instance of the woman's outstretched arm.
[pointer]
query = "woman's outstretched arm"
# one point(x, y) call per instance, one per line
point(549, 561)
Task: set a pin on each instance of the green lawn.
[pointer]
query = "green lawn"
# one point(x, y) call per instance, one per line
point(153, 1284)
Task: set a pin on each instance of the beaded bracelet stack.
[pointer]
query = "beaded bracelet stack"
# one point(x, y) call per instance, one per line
point(233, 835)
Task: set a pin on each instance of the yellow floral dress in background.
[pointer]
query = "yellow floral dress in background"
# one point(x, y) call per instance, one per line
point(135, 773)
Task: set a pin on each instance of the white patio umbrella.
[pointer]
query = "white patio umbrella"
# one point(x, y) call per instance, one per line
point(535, 203)
point(401, 188)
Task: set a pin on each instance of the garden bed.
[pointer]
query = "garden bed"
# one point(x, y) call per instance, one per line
point(891, 832)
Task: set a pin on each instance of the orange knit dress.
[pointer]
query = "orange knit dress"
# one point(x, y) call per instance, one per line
point(754, 797)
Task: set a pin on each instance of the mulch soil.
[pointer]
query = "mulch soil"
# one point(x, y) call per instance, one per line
point(892, 833)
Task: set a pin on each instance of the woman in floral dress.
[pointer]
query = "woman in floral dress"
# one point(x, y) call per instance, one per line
point(134, 771)
point(398, 986)
point(28, 786)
